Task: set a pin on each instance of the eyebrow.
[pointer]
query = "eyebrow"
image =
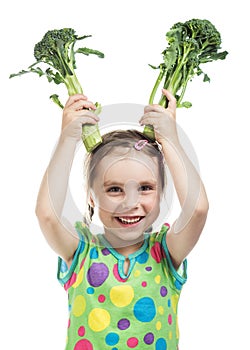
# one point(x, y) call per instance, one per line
point(116, 183)
point(113, 183)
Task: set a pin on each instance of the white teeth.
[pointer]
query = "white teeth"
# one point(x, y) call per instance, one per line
point(129, 221)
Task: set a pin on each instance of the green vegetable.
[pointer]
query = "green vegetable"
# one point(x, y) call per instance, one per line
point(190, 44)
point(57, 50)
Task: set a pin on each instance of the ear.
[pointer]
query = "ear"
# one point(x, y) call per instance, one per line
point(91, 201)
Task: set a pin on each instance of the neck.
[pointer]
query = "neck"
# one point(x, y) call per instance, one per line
point(124, 247)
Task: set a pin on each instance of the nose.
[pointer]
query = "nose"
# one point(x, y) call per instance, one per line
point(131, 199)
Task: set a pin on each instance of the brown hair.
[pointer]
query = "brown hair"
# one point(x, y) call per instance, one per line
point(111, 141)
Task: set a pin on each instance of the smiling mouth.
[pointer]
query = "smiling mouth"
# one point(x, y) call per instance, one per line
point(129, 220)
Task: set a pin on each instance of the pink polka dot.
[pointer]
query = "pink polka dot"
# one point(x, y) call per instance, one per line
point(116, 274)
point(81, 331)
point(167, 224)
point(82, 263)
point(132, 342)
point(170, 319)
point(83, 344)
point(101, 298)
point(70, 281)
point(156, 252)
point(144, 284)
point(69, 323)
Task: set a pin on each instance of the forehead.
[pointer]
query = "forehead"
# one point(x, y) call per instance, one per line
point(134, 165)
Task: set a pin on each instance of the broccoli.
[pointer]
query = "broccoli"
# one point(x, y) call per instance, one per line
point(57, 50)
point(190, 44)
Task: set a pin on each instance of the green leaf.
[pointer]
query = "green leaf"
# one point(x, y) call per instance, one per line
point(185, 104)
point(87, 51)
point(19, 73)
point(55, 99)
point(206, 78)
point(98, 108)
point(83, 37)
point(58, 79)
point(154, 67)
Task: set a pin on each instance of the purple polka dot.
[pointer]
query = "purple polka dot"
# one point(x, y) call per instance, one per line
point(105, 251)
point(163, 291)
point(97, 274)
point(123, 324)
point(149, 338)
point(148, 268)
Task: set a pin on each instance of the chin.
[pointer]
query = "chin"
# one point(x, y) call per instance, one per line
point(126, 236)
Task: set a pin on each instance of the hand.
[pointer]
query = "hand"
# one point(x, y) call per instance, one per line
point(77, 112)
point(162, 119)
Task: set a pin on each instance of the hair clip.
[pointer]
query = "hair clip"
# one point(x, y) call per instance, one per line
point(140, 144)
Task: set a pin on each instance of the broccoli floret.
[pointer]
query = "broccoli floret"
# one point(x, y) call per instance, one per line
point(57, 50)
point(190, 44)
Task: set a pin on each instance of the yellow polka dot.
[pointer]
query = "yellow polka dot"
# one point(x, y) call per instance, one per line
point(177, 329)
point(99, 319)
point(121, 295)
point(174, 302)
point(137, 273)
point(79, 306)
point(170, 335)
point(161, 310)
point(158, 279)
point(78, 279)
point(158, 325)
point(165, 271)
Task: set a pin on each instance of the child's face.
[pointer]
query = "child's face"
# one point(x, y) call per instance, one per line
point(126, 191)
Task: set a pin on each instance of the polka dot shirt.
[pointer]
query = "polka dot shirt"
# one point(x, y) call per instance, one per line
point(114, 311)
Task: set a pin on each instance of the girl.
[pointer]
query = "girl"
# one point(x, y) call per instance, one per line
point(123, 285)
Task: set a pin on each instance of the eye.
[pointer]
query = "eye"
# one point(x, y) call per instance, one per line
point(114, 189)
point(145, 188)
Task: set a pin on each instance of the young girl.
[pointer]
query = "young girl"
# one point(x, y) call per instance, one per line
point(123, 284)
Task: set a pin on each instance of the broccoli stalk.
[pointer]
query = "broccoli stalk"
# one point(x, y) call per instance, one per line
point(57, 50)
point(190, 44)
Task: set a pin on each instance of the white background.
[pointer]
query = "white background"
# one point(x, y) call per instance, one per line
point(214, 307)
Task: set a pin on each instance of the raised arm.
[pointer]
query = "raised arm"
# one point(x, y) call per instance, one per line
point(190, 190)
point(53, 189)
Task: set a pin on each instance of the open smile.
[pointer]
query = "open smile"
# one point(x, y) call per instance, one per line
point(129, 220)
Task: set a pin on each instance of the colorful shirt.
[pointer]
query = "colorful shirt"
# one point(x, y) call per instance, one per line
point(114, 311)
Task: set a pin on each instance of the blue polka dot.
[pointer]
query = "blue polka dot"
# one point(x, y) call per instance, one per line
point(142, 258)
point(90, 290)
point(178, 285)
point(93, 253)
point(63, 267)
point(112, 339)
point(82, 247)
point(169, 302)
point(144, 309)
point(161, 344)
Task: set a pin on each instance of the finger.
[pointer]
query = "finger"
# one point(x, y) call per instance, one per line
point(149, 118)
point(171, 98)
point(88, 120)
point(88, 114)
point(154, 108)
point(72, 99)
point(82, 104)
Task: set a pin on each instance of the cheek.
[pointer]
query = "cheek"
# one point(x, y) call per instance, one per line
point(152, 203)
point(107, 204)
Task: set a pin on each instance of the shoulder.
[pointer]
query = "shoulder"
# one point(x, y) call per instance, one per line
point(160, 253)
